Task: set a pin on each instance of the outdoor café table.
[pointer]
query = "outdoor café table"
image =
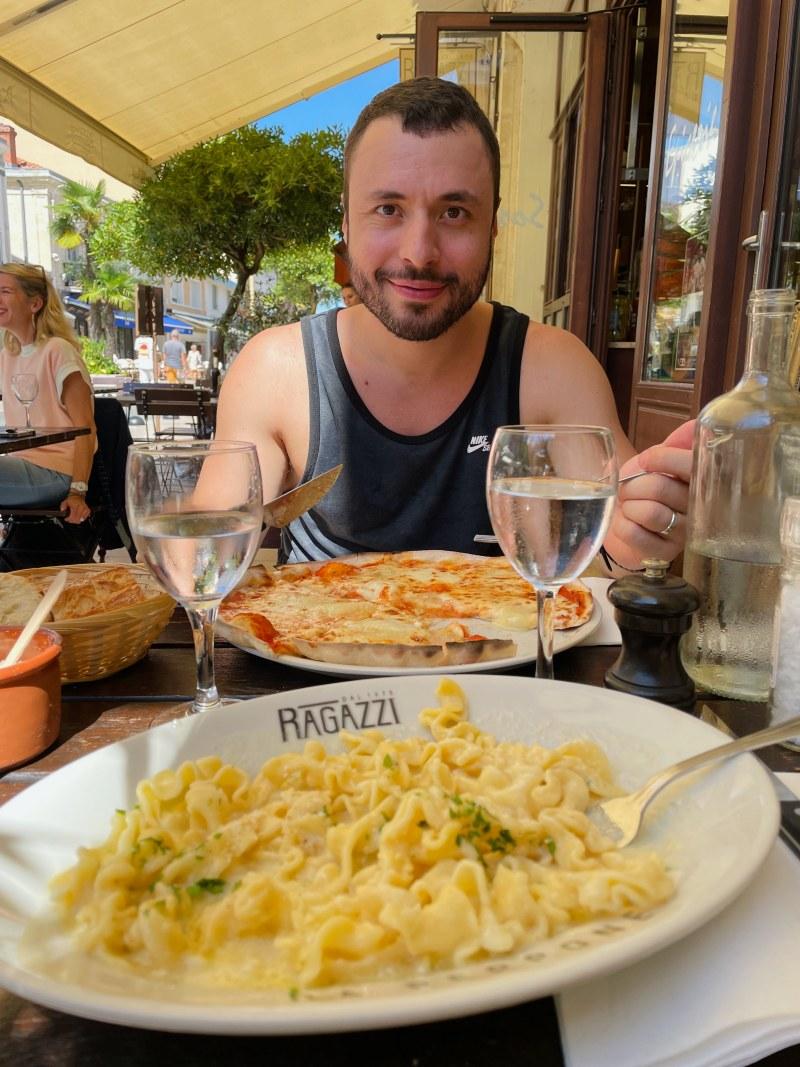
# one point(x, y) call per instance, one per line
point(98, 713)
point(43, 436)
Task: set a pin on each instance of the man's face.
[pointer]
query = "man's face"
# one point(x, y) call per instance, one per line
point(419, 225)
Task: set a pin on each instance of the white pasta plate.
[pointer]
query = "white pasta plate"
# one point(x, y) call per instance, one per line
point(713, 830)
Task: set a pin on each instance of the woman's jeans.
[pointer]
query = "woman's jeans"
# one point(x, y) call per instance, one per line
point(25, 485)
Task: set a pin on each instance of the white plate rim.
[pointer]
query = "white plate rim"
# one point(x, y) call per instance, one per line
point(562, 639)
point(451, 1001)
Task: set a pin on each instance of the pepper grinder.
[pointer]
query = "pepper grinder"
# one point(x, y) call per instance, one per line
point(653, 610)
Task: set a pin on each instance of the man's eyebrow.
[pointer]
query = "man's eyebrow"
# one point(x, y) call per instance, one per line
point(457, 196)
point(461, 196)
point(386, 194)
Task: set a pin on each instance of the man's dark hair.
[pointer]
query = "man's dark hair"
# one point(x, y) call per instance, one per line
point(426, 105)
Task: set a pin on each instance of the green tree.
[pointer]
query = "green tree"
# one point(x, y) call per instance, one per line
point(219, 208)
point(113, 286)
point(113, 240)
point(303, 275)
point(303, 280)
point(76, 217)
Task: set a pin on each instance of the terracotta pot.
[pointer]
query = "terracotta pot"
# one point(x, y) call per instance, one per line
point(30, 697)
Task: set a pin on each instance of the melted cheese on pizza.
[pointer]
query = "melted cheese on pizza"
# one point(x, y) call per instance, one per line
point(402, 599)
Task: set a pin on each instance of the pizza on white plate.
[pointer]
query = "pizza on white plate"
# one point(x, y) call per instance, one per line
point(396, 610)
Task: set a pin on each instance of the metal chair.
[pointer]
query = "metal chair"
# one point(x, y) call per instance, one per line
point(176, 401)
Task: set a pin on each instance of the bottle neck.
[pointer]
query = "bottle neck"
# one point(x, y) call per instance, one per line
point(768, 338)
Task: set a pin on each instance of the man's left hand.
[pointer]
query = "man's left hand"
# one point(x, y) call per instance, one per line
point(650, 518)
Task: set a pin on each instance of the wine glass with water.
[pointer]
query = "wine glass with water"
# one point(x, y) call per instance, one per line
point(195, 511)
point(26, 389)
point(551, 492)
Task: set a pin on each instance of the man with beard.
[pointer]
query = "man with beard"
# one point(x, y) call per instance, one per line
point(406, 388)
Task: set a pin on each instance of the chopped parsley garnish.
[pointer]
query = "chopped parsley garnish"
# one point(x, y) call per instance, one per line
point(550, 845)
point(325, 812)
point(206, 885)
point(157, 843)
point(479, 828)
point(388, 762)
point(121, 811)
point(294, 993)
point(503, 842)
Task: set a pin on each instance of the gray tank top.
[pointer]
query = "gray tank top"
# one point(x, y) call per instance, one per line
point(399, 492)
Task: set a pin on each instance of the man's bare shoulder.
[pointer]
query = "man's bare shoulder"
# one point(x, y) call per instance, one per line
point(278, 349)
point(561, 380)
point(551, 343)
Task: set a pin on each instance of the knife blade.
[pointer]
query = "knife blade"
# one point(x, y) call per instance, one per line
point(288, 506)
point(789, 803)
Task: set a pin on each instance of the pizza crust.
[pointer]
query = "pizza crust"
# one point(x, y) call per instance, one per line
point(407, 657)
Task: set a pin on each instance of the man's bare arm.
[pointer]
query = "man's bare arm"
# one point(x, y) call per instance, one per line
point(563, 382)
point(262, 393)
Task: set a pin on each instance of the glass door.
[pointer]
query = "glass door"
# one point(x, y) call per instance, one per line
point(683, 216)
point(715, 111)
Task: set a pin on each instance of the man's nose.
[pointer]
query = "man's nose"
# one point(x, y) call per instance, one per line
point(420, 242)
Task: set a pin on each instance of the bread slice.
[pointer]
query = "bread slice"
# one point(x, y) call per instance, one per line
point(18, 599)
point(95, 594)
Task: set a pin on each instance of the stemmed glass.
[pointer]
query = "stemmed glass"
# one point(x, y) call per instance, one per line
point(195, 511)
point(26, 389)
point(550, 491)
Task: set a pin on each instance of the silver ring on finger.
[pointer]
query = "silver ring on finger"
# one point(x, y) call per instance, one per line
point(670, 525)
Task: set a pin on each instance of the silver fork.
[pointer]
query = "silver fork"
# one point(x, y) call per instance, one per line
point(621, 817)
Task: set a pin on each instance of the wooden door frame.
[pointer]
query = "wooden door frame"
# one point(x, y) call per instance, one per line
point(596, 26)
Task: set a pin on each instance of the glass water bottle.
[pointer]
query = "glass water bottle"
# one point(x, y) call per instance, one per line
point(783, 698)
point(746, 460)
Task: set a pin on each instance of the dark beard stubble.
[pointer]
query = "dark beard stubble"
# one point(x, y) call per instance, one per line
point(418, 323)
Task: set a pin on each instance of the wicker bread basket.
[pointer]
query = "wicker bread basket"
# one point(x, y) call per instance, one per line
point(98, 645)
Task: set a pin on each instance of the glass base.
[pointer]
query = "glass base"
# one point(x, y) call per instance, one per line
point(186, 709)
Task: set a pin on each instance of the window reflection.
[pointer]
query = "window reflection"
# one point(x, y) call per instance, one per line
point(687, 188)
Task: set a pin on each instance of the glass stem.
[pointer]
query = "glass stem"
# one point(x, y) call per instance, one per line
point(545, 602)
point(202, 621)
point(27, 416)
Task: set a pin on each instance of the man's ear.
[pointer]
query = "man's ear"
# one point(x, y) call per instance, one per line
point(344, 224)
point(494, 221)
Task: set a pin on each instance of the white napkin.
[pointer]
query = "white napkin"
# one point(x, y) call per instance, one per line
point(725, 996)
point(607, 633)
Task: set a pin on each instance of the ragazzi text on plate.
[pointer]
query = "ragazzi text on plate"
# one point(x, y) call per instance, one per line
point(329, 717)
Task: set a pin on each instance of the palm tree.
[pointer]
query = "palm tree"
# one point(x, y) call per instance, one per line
point(113, 286)
point(76, 217)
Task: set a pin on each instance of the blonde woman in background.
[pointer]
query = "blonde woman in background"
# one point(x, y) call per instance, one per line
point(38, 339)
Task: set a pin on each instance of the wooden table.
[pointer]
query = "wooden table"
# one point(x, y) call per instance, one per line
point(43, 436)
point(97, 713)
